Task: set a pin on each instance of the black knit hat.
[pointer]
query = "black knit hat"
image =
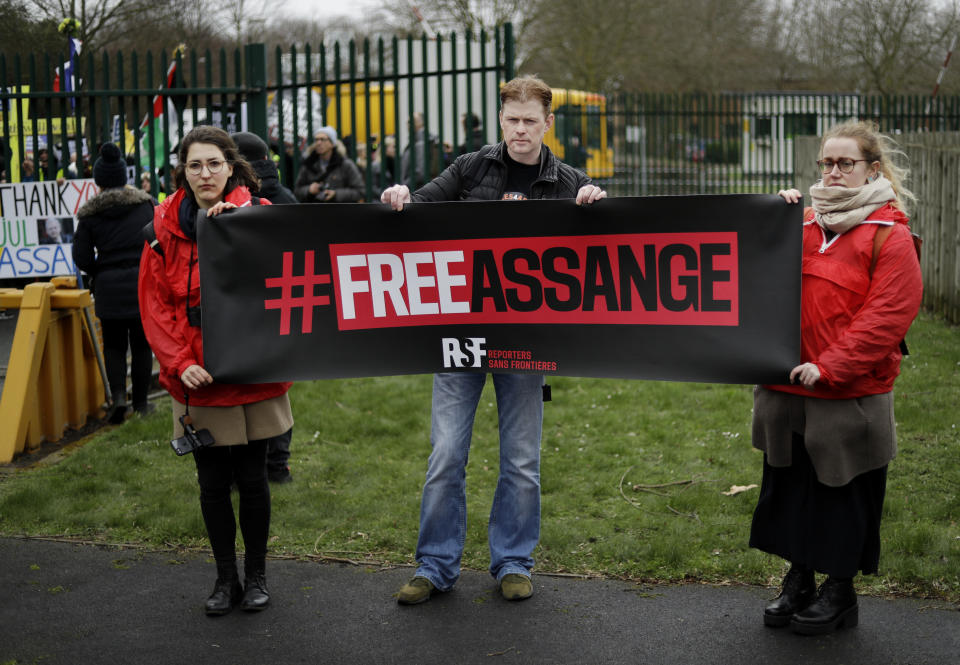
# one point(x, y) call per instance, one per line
point(251, 147)
point(110, 170)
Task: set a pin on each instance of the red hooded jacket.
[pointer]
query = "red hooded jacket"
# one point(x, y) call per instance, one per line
point(163, 304)
point(852, 322)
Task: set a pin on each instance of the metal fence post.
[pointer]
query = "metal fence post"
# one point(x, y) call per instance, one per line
point(508, 54)
point(255, 57)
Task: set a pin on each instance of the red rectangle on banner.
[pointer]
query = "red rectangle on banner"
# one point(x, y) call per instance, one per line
point(689, 279)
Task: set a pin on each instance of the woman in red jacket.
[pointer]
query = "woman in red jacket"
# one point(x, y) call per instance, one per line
point(212, 177)
point(829, 435)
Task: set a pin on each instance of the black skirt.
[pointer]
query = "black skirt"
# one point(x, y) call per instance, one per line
point(833, 530)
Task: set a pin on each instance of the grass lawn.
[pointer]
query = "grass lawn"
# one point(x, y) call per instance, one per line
point(635, 479)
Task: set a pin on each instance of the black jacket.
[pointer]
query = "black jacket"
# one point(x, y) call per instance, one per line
point(482, 176)
point(341, 175)
point(107, 246)
point(270, 187)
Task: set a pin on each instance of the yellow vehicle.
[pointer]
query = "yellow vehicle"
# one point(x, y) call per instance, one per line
point(579, 132)
point(578, 136)
point(342, 116)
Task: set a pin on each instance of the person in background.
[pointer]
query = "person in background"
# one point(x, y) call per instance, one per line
point(518, 168)
point(829, 434)
point(422, 148)
point(71, 172)
point(384, 164)
point(472, 132)
point(253, 149)
point(26, 171)
point(211, 177)
point(107, 246)
point(326, 176)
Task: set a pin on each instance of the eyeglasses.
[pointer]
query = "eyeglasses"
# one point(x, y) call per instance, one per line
point(214, 166)
point(845, 165)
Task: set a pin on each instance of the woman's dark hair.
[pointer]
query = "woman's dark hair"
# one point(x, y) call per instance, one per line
point(243, 173)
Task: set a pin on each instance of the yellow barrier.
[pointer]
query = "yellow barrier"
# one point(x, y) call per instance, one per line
point(53, 377)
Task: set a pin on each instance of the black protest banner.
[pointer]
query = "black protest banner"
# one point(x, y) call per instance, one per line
point(696, 288)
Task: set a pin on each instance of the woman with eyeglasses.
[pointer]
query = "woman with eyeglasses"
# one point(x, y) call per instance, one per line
point(829, 434)
point(211, 177)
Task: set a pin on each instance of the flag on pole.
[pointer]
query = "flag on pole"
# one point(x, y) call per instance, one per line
point(68, 81)
point(161, 117)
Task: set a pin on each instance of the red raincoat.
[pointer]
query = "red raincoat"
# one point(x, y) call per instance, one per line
point(163, 304)
point(852, 323)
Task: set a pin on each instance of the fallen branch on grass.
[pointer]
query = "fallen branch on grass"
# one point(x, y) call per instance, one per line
point(652, 490)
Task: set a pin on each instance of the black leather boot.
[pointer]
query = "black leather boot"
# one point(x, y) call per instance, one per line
point(227, 591)
point(835, 607)
point(119, 409)
point(799, 589)
point(255, 594)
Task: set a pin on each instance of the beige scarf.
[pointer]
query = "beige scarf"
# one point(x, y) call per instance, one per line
point(839, 209)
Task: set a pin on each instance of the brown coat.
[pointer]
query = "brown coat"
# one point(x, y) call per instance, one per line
point(844, 437)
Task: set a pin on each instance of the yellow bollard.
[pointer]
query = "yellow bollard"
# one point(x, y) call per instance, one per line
point(52, 377)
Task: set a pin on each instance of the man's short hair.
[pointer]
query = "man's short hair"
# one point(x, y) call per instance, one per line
point(525, 88)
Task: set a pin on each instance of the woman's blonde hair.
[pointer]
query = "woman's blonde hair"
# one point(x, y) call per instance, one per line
point(877, 147)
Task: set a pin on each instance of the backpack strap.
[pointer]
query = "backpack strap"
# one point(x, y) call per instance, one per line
point(879, 238)
point(150, 236)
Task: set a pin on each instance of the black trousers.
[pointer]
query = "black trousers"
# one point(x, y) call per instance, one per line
point(278, 452)
point(217, 469)
point(118, 334)
point(833, 530)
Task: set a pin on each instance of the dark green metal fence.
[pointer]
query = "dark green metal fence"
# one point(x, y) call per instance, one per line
point(367, 91)
point(376, 94)
point(741, 143)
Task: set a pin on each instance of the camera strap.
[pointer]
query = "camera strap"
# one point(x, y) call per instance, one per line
point(186, 408)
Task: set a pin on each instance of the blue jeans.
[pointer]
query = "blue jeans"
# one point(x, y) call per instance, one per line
point(514, 526)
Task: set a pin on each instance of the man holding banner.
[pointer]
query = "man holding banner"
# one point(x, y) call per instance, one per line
point(518, 168)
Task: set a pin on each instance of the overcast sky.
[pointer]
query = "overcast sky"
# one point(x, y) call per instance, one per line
point(319, 8)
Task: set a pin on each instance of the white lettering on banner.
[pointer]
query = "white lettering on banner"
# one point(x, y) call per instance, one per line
point(348, 286)
point(468, 352)
point(382, 286)
point(416, 281)
point(445, 281)
point(407, 285)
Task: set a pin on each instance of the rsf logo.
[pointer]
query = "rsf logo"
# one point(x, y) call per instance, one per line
point(463, 351)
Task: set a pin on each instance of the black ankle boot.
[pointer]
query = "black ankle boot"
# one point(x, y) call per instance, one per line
point(227, 591)
point(835, 607)
point(119, 409)
point(799, 589)
point(255, 594)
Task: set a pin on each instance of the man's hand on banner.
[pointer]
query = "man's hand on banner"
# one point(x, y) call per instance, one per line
point(195, 377)
point(589, 194)
point(806, 374)
point(396, 196)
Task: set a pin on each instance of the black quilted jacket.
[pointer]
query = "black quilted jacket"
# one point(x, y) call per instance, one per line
point(481, 176)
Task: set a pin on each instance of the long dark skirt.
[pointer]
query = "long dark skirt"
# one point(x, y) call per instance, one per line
point(833, 530)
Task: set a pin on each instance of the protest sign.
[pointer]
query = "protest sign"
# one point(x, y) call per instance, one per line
point(699, 288)
point(37, 222)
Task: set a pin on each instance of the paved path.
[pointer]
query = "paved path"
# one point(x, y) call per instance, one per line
point(70, 604)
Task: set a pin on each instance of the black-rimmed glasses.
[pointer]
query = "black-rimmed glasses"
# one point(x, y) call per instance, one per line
point(845, 165)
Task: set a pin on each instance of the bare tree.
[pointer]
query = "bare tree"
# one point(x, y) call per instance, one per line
point(881, 46)
point(453, 15)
